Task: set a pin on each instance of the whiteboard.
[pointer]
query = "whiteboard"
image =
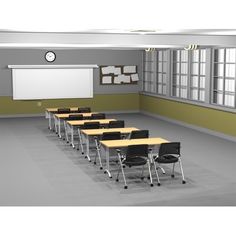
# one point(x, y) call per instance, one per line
point(30, 84)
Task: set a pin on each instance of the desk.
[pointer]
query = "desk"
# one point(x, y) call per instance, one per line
point(77, 123)
point(87, 133)
point(50, 111)
point(59, 117)
point(111, 144)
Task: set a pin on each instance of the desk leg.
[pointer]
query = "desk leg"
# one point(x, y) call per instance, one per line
point(49, 121)
point(107, 170)
point(59, 127)
point(66, 131)
point(80, 142)
point(55, 124)
point(72, 136)
point(87, 148)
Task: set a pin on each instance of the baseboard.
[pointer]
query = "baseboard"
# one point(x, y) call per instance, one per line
point(195, 127)
point(43, 114)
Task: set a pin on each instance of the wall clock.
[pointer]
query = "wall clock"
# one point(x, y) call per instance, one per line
point(50, 56)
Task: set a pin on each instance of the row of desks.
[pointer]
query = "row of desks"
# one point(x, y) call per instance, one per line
point(108, 145)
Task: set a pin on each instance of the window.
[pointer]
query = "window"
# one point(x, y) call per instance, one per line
point(198, 75)
point(149, 80)
point(224, 76)
point(161, 71)
point(180, 73)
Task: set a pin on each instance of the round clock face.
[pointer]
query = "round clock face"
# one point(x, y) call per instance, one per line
point(50, 56)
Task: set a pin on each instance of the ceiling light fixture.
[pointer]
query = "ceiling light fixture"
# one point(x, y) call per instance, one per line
point(191, 47)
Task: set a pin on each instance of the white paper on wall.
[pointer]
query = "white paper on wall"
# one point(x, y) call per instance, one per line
point(129, 69)
point(108, 70)
point(134, 77)
point(123, 78)
point(117, 71)
point(117, 80)
point(106, 79)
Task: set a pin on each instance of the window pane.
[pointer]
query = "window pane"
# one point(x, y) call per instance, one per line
point(195, 68)
point(175, 91)
point(176, 55)
point(164, 55)
point(230, 70)
point(159, 88)
point(229, 100)
point(164, 67)
point(202, 69)
point(147, 76)
point(159, 75)
point(203, 55)
point(195, 55)
point(219, 70)
point(164, 78)
point(230, 55)
point(229, 85)
point(176, 68)
point(149, 66)
point(184, 55)
point(184, 68)
point(202, 82)
point(219, 55)
point(218, 98)
point(183, 93)
point(164, 89)
point(194, 81)
point(202, 95)
point(218, 84)
point(194, 94)
point(184, 80)
point(159, 67)
point(176, 80)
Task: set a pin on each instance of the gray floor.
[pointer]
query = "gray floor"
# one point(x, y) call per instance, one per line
point(36, 168)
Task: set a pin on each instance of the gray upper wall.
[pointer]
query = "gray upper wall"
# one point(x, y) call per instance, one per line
point(70, 56)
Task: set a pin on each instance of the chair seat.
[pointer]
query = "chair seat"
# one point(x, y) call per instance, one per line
point(167, 159)
point(135, 161)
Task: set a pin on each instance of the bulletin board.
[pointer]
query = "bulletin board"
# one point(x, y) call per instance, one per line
point(118, 75)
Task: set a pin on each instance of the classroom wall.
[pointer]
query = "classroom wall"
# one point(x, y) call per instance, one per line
point(105, 97)
point(216, 120)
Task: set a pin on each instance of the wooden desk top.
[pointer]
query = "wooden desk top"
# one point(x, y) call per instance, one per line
point(101, 131)
point(127, 142)
point(55, 109)
point(63, 116)
point(81, 122)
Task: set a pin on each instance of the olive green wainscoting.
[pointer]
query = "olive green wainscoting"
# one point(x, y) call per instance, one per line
point(213, 119)
point(103, 102)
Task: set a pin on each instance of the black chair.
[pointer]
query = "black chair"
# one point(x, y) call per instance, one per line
point(136, 155)
point(98, 116)
point(139, 134)
point(87, 125)
point(105, 136)
point(169, 153)
point(116, 124)
point(75, 117)
point(84, 110)
point(63, 110)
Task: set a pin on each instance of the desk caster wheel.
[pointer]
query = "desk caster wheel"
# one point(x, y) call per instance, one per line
point(183, 182)
point(95, 163)
point(125, 187)
point(172, 176)
point(117, 180)
point(158, 184)
point(101, 168)
point(151, 185)
point(142, 178)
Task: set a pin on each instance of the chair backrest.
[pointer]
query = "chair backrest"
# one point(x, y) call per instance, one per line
point(137, 151)
point(84, 110)
point(116, 124)
point(75, 117)
point(139, 134)
point(97, 116)
point(63, 110)
point(91, 125)
point(169, 148)
point(111, 136)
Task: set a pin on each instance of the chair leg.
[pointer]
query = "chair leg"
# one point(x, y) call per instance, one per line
point(123, 173)
point(150, 174)
point(162, 169)
point(182, 172)
point(98, 154)
point(158, 180)
point(118, 173)
point(173, 171)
